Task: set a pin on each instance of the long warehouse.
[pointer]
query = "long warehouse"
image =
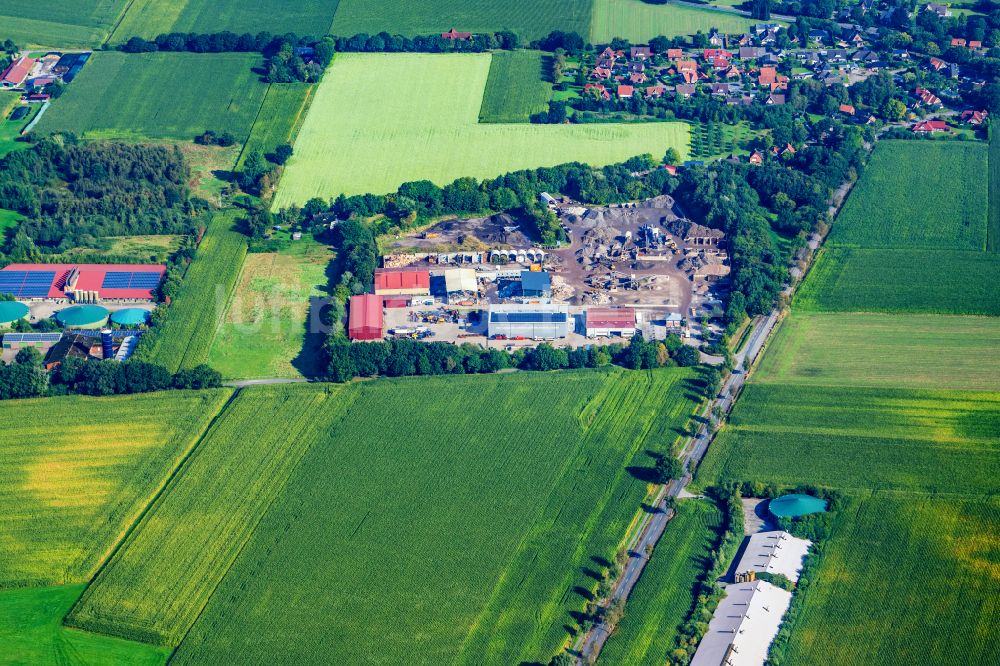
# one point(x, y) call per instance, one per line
point(533, 322)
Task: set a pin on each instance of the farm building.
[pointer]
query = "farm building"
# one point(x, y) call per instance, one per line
point(460, 281)
point(402, 283)
point(535, 322)
point(82, 283)
point(610, 322)
point(40, 341)
point(776, 552)
point(536, 284)
point(70, 346)
point(795, 505)
point(744, 625)
point(365, 318)
point(15, 75)
point(10, 312)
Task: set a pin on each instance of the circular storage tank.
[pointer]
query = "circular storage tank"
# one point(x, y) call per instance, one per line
point(795, 505)
point(83, 316)
point(130, 317)
point(11, 311)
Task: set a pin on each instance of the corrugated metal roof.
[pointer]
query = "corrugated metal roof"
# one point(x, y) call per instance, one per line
point(610, 317)
point(385, 280)
point(365, 317)
point(535, 281)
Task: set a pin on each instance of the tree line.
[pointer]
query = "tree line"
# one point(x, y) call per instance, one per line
point(27, 378)
point(72, 193)
point(403, 357)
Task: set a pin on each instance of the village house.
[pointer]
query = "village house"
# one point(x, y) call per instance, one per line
point(640, 53)
point(454, 35)
point(597, 89)
point(625, 92)
point(930, 127)
point(685, 89)
point(16, 74)
point(655, 91)
point(847, 109)
point(973, 117)
point(756, 158)
point(775, 100)
point(935, 8)
point(926, 98)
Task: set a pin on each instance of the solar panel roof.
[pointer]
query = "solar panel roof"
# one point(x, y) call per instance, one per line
point(26, 284)
point(32, 337)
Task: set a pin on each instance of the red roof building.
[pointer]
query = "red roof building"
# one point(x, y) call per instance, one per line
point(675, 54)
point(365, 318)
point(973, 117)
point(625, 92)
point(83, 282)
point(655, 91)
point(18, 71)
point(402, 283)
point(928, 126)
point(454, 34)
point(598, 89)
point(607, 322)
point(848, 109)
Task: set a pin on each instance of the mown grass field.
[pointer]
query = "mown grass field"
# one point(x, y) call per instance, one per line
point(185, 339)
point(264, 331)
point(663, 597)
point(905, 579)
point(453, 529)
point(860, 439)
point(160, 96)
point(884, 350)
point(11, 129)
point(67, 23)
point(530, 19)
point(78, 471)
point(160, 579)
point(888, 280)
point(638, 21)
point(8, 220)
point(149, 18)
point(918, 194)
point(405, 117)
point(281, 115)
point(515, 88)
point(32, 632)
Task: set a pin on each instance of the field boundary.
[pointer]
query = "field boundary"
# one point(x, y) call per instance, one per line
point(154, 498)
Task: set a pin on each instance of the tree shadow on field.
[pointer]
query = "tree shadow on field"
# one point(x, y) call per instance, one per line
point(545, 69)
point(583, 592)
point(600, 561)
point(590, 573)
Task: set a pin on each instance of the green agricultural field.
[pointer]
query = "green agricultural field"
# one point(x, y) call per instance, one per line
point(884, 280)
point(638, 21)
point(993, 224)
point(884, 350)
point(918, 194)
point(281, 115)
point(662, 599)
point(78, 471)
point(149, 18)
point(264, 330)
point(161, 577)
point(32, 632)
point(859, 439)
point(404, 117)
point(160, 96)
point(66, 24)
point(530, 19)
point(185, 339)
point(905, 579)
point(11, 129)
point(515, 88)
point(454, 517)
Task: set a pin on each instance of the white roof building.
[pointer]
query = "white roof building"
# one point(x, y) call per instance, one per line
point(457, 280)
point(776, 552)
point(743, 626)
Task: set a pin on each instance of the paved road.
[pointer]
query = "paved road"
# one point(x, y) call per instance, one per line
point(694, 451)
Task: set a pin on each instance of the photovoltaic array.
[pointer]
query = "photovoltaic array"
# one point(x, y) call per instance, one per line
point(26, 284)
point(130, 280)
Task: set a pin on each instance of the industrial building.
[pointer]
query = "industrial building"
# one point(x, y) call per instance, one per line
point(775, 552)
point(610, 322)
point(536, 284)
point(40, 341)
point(459, 282)
point(531, 322)
point(365, 317)
point(402, 283)
point(82, 283)
point(744, 625)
